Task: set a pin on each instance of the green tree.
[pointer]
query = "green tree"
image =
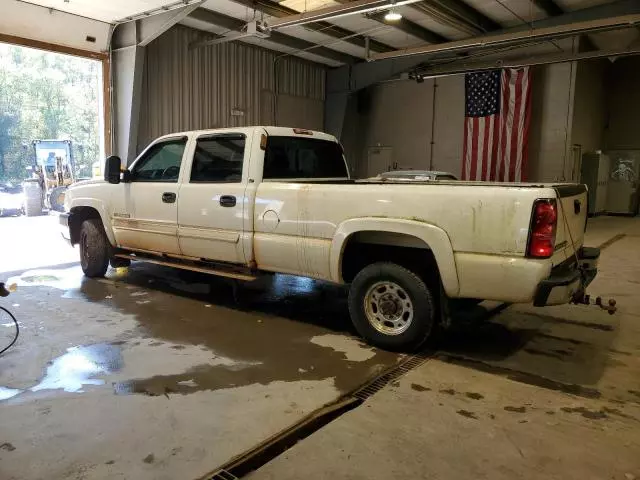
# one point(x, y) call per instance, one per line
point(45, 95)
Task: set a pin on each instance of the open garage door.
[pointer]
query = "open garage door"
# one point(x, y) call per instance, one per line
point(52, 134)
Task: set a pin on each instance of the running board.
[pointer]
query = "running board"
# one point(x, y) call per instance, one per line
point(187, 265)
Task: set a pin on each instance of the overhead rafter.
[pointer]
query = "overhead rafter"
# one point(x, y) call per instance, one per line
point(406, 26)
point(409, 27)
point(459, 67)
point(234, 24)
point(343, 9)
point(550, 7)
point(519, 36)
point(275, 9)
point(458, 14)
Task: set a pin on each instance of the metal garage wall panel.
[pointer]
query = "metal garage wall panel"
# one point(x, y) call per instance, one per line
point(191, 89)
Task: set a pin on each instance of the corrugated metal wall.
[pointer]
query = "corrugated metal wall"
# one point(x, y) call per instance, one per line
point(191, 89)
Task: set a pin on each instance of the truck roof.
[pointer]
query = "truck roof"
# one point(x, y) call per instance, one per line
point(269, 130)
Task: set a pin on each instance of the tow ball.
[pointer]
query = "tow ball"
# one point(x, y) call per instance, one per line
point(581, 298)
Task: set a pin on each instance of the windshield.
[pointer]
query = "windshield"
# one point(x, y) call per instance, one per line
point(303, 158)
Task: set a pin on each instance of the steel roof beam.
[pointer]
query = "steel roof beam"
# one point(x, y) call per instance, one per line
point(549, 7)
point(458, 14)
point(214, 18)
point(404, 25)
point(364, 74)
point(409, 27)
point(520, 36)
point(344, 8)
point(274, 9)
point(561, 57)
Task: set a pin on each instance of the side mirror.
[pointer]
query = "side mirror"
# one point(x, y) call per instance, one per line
point(112, 169)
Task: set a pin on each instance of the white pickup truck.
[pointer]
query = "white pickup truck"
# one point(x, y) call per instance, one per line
point(241, 202)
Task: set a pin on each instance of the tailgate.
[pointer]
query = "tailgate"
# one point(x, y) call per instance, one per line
point(572, 218)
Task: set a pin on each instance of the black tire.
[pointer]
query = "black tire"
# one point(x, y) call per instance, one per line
point(420, 299)
point(56, 199)
point(95, 249)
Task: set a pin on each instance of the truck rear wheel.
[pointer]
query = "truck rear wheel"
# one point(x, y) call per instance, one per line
point(391, 307)
point(94, 248)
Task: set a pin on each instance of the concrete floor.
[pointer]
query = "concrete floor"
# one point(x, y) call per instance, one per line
point(151, 373)
point(534, 393)
point(31, 242)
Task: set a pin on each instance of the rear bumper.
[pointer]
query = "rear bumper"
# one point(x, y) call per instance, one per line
point(64, 226)
point(568, 279)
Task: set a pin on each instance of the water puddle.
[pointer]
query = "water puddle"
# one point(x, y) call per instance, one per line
point(6, 393)
point(68, 279)
point(72, 371)
point(354, 350)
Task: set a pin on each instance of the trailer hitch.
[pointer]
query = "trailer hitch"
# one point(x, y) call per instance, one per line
point(580, 298)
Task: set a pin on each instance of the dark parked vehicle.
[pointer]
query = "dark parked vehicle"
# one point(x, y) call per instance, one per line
point(11, 200)
point(416, 175)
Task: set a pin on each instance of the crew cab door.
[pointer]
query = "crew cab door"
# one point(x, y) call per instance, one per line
point(145, 211)
point(213, 202)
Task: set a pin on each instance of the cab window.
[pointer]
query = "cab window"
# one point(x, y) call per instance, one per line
point(161, 163)
point(303, 158)
point(218, 159)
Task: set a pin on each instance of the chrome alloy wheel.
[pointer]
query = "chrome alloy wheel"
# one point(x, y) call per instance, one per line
point(388, 308)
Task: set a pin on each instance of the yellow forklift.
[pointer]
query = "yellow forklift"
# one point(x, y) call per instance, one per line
point(52, 172)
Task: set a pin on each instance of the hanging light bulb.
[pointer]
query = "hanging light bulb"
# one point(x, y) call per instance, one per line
point(392, 16)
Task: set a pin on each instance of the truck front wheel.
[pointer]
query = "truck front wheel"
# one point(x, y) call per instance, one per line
point(94, 248)
point(391, 307)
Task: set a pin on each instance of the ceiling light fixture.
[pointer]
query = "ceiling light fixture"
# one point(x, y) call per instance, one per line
point(393, 16)
point(352, 7)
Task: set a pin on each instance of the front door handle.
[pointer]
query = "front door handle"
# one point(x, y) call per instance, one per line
point(169, 197)
point(228, 201)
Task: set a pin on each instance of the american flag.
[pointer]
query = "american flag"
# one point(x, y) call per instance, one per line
point(496, 125)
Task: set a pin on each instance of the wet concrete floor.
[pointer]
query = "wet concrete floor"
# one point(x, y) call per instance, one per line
point(156, 373)
point(530, 394)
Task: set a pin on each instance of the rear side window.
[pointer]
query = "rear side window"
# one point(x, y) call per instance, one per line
point(218, 159)
point(302, 158)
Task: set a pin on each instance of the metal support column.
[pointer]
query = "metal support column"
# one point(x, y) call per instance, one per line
point(127, 49)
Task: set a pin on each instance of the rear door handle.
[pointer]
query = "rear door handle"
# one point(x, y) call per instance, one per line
point(228, 201)
point(169, 197)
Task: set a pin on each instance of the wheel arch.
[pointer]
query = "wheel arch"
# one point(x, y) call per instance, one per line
point(87, 210)
point(396, 233)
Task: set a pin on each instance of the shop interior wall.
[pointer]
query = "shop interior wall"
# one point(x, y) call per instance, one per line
point(622, 87)
point(225, 85)
point(422, 123)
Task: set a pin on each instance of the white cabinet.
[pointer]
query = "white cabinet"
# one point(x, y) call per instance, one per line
point(622, 195)
point(595, 174)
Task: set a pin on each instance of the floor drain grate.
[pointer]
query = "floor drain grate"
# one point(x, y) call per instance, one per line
point(389, 376)
point(223, 475)
point(278, 444)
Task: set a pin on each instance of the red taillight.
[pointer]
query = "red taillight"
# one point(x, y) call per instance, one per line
point(542, 238)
